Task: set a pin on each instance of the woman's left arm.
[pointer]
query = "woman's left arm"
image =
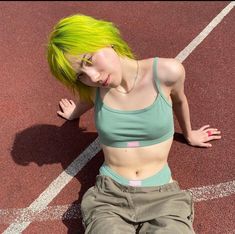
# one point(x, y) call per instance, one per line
point(201, 136)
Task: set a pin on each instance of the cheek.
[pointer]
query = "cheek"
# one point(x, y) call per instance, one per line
point(107, 62)
point(87, 82)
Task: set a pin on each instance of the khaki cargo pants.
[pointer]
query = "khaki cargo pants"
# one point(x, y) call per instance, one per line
point(112, 208)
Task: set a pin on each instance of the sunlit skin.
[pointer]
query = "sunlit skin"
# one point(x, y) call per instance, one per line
point(140, 162)
point(103, 63)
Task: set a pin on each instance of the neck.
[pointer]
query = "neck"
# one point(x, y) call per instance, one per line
point(130, 69)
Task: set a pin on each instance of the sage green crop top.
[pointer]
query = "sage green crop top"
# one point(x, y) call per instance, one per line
point(135, 128)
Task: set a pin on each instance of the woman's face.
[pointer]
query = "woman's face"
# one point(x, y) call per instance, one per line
point(103, 71)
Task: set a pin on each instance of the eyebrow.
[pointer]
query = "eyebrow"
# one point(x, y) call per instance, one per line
point(81, 64)
point(82, 61)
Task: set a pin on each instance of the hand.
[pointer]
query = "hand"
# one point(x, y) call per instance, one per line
point(68, 109)
point(201, 136)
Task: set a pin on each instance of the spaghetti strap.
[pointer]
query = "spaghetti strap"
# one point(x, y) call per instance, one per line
point(155, 60)
point(155, 75)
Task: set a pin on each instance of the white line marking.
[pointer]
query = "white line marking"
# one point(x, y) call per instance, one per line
point(58, 184)
point(197, 40)
point(49, 213)
point(66, 212)
point(213, 191)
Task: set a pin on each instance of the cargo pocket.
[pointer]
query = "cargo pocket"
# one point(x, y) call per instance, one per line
point(190, 197)
point(87, 205)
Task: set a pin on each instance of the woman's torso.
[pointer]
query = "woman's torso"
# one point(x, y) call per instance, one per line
point(139, 162)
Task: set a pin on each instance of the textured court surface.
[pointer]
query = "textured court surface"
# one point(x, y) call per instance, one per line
point(47, 163)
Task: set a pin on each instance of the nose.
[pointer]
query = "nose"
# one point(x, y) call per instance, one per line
point(93, 74)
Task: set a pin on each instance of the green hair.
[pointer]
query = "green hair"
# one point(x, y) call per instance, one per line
point(79, 34)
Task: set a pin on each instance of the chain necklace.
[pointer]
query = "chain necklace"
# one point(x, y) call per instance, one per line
point(126, 92)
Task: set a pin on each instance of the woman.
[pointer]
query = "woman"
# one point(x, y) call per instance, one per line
point(133, 102)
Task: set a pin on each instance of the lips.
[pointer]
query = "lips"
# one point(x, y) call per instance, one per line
point(106, 82)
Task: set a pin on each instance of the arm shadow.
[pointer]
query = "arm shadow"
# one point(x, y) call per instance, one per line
point(46, 144)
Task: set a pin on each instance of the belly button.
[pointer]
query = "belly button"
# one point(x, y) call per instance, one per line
point(137, 173)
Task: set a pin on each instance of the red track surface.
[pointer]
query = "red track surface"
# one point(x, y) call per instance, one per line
point(36, 145)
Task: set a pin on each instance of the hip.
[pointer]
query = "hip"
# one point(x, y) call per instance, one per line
point(161, 177)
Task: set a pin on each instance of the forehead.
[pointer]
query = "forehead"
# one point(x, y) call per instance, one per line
point(74, 58)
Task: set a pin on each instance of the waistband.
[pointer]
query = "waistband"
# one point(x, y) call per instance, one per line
point(106, 183)
point(160, 178)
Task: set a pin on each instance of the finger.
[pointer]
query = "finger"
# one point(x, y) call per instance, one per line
point(64, 102)
point(67, 102)
point(204, 127)
point(214, 138)
point(73, 103)
point(60, 113)
point(206, 145)
point(62, 105)
point(217, 132)
point(212, 131)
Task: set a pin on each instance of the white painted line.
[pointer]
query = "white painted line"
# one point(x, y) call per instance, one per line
point(197, 40)
point(213, 191)
point(49, 213)
point(67, 212)
point(58, 184)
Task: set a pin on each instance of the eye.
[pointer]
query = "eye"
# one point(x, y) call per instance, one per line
point(79, 76)
point(88, 62)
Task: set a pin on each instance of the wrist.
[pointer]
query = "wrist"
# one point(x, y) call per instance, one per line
point(75, 114)
point(188, 137)
point(73, 117)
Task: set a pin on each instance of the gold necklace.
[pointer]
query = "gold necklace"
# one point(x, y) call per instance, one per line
point(126, 92)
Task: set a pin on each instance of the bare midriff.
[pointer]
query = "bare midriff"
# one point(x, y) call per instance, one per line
point(138, 163)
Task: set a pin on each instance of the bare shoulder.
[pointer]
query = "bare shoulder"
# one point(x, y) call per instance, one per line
point(169, 70)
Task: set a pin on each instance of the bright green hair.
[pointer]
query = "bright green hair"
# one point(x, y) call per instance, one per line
point(79, 34)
